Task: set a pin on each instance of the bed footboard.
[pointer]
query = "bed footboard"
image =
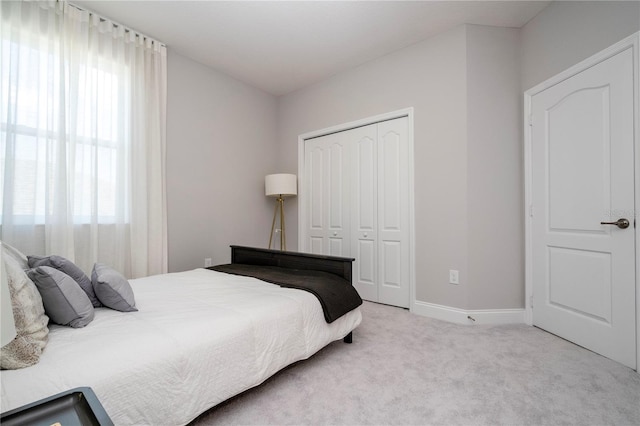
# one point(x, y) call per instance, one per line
point(341, 266)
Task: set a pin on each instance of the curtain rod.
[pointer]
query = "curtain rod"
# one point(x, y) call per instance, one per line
point(116, 24)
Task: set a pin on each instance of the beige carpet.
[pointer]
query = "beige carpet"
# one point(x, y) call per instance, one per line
point(404, 369)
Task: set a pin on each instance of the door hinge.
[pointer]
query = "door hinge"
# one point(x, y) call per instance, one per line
point(530, 210)
point(530, 120)
point(531, 302)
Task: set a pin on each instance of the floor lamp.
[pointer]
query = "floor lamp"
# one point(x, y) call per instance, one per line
point(280, 185)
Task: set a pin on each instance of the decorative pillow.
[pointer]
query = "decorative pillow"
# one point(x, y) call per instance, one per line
point(63, 299)
point(68, 267)
point(30, 320)
point(113, 290)
point(15, 254)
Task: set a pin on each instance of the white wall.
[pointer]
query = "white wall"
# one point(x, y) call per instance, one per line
point(224, 136)
point(466, 87)
point(494, 169)
point(566, 32)
point(431, 76)
point(221, 142)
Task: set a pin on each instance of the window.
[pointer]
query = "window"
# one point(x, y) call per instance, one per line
point(82, 138)
point(36, 137)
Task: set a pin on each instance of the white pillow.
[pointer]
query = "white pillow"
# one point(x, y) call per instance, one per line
point(16, 255)
point(30, 319)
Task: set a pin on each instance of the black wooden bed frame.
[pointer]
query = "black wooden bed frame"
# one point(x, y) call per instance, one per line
point(341, 266)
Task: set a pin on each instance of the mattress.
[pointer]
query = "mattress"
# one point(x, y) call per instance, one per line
point(199, 338)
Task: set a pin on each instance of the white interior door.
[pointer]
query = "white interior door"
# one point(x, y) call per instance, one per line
point(337, 177)
point(327, 183)
point(314, 186)
point(357, 203)
point(393, 213)
point(582, 156)
point(364, 209)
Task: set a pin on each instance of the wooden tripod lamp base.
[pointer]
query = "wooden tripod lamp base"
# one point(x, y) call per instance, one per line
point(279, 209)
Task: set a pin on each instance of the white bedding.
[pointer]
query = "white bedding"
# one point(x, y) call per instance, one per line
point(198, 338)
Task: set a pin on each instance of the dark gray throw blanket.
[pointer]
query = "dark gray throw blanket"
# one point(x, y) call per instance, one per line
point(336, 295)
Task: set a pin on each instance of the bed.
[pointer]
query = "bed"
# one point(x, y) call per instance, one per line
point(199, 337)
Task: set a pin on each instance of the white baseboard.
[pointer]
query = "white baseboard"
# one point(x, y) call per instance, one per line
point(461, 316)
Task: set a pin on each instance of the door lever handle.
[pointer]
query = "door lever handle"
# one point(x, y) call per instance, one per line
point(620, 223)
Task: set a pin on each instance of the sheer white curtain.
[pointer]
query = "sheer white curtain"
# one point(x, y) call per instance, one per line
point(82, 143)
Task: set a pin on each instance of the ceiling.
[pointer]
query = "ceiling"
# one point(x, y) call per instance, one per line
point(282, 46)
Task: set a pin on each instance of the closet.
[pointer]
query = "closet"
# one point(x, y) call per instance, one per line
point(357, 203)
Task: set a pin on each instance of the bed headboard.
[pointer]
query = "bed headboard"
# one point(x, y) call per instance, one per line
point(341, 266)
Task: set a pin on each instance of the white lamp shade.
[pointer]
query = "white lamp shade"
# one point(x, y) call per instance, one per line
point(280, 184)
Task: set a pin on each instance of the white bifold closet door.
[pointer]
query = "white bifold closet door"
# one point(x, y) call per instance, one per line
point(327, 180)
point(358, 205)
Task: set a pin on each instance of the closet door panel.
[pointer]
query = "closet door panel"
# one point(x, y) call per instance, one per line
point(393, 213)
point(391, 263)
point(365, 271)
point(336, 247)
point(391, 180)
point(364, 214)
point(327, 183)
point(315, 245)
point(314, 184)
point(365, 190)
point(337, 209)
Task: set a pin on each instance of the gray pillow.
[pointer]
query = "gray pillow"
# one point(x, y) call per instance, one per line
point(64, 301)
point(113, 290)
point(68, 267)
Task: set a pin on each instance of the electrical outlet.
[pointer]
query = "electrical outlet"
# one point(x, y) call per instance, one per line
point(207, 262)
point(454, 276)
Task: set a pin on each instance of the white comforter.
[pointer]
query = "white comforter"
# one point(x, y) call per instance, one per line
point(199, 338)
